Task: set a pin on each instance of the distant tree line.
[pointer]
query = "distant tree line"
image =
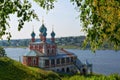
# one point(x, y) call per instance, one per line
point(76, 41)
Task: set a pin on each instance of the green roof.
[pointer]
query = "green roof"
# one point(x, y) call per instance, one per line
point(31, 53)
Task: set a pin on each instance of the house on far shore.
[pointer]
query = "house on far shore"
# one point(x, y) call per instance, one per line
point(46, 55)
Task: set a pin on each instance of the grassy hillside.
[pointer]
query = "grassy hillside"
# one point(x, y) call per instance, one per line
point(13, 70)
point(92, 77)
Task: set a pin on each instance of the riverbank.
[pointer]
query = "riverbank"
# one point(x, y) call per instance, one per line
point(69, 47)
point(81, 48)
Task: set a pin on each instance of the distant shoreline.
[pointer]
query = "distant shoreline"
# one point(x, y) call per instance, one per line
point(16, 47)
point(65, 47)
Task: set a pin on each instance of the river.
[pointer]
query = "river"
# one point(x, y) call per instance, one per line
point(104, 61)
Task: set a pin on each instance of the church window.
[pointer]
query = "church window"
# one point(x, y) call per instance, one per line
point(63, 70)
point(67, 69)
point(52, 62)
point(67, 60)
point(34, 60)
point(63, 60)
point(58, 61)
point(58, 70)
point(71, 59)
point(46, 62)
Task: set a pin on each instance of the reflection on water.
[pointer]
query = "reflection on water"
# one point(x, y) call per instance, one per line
point(104, 61)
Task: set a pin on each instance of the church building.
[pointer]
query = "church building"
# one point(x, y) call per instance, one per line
point(46, 55)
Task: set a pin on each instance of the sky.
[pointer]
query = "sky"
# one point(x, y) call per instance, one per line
point(63, 18)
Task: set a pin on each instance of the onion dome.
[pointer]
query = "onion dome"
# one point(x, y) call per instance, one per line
point(33, 34)
point(43, 28)
point(44, 34)
point(53, 34)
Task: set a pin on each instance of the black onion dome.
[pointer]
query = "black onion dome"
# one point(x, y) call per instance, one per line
point(44, 33)
point(53, 34)
point(42, 28)
point(33, 34)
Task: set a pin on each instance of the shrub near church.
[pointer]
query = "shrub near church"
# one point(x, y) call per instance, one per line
point(2, 52)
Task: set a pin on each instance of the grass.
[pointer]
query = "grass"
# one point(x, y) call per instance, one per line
point(13, 70)
point(93, 77)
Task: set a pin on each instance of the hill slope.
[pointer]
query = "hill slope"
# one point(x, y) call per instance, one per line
point(13, 70)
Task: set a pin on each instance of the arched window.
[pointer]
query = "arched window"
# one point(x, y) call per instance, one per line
point(58, 70)
point(67, 69)
point(63, 70)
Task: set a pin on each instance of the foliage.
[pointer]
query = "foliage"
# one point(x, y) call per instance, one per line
point(22, 10)
point(93, 77)
point(100, 20)
point(2, 52)
point(46, 4)
point(13, 70)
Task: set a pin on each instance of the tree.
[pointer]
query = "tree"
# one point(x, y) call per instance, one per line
point(101, 21)
point(21, 9)
point(2, 52)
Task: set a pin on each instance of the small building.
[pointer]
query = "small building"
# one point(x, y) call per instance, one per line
point(46, 55)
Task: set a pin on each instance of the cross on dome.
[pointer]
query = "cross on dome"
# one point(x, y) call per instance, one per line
point(42, 20)
point(33, 33)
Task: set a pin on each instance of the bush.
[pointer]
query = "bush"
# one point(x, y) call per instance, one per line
point(2, 52)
